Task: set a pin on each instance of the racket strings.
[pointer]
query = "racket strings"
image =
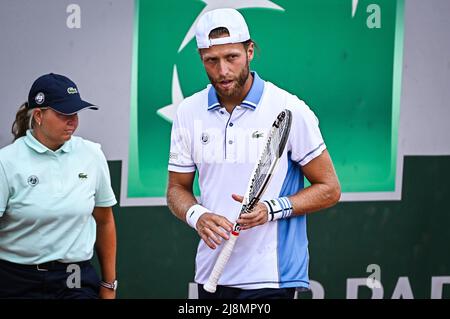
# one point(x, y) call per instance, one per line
point(268, 156)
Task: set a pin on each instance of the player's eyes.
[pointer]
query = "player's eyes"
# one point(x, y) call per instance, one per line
point(211, 60)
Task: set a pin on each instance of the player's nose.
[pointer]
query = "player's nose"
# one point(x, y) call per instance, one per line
point(223, 68)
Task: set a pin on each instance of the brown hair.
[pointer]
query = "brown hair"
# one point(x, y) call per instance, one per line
point(220, 31)
point(22, 122)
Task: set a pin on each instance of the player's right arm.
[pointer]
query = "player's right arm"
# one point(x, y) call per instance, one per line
point(180, 198)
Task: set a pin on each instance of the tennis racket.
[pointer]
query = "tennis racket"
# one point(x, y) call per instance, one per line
point(260, 178)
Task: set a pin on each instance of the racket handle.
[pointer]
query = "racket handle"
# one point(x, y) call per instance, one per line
point(221, 261)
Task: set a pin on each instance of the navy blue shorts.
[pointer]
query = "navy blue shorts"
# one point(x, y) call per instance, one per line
point(52, 280)
point(223, 292)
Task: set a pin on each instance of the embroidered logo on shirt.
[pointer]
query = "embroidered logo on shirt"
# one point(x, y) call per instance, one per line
point(173, 156)
point(205, 138)
point(82, 176)
point(33, 180)
point(257, 134)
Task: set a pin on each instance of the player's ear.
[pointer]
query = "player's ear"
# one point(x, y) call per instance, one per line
point(250, 51)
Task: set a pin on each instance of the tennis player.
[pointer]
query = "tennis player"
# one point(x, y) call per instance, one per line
point(219, 133)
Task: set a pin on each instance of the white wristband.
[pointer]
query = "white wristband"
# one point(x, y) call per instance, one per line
point(278, 208)
point(194, 213)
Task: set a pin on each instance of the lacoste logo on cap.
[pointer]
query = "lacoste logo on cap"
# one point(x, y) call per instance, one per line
point(39, 98)
point(72, 90)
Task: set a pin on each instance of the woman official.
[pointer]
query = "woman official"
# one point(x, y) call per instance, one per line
point(55, 201)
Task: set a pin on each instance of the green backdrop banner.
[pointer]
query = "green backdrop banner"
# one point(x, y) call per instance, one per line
point(342, 57)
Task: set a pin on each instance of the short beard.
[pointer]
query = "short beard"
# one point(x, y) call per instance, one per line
point(236, 91)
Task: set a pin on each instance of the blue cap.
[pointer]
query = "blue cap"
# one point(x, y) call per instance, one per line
point(57, 92)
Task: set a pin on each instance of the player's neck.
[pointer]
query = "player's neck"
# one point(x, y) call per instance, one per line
point(47, 141)
point(230, 102)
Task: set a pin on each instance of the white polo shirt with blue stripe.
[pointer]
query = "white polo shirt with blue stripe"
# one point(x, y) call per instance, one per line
point(47, 199)
point(223, 148)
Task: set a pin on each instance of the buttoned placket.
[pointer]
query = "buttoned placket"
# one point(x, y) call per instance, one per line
point(230, 138)
point(56, 172)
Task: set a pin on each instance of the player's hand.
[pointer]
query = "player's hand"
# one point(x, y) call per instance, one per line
point(212, 228)
point(257, 216)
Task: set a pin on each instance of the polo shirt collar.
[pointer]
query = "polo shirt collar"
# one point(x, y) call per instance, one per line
point(33, 143)
point(251, 100)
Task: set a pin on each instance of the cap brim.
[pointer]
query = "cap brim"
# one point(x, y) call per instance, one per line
point(69, 107)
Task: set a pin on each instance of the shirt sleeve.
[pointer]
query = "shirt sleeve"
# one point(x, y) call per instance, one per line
point(305, 139)
point(180, 157)
point(4, 190)
point(104, 195)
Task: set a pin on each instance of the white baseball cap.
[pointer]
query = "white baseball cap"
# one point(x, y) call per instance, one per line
point(226, 18)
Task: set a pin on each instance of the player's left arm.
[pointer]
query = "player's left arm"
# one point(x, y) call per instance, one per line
point(324, 192)
point(106, 247)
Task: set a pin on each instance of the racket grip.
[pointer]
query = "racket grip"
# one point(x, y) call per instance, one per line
point(222, 260)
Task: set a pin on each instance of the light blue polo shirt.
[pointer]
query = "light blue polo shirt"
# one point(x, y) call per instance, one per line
point(47, 199)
